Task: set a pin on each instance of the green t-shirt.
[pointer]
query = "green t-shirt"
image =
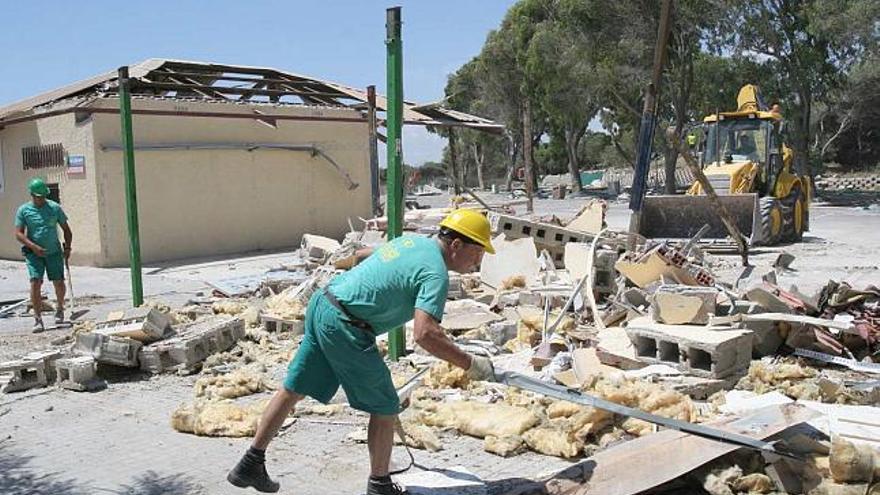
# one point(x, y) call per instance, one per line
point(41, 224)
point(386, 288)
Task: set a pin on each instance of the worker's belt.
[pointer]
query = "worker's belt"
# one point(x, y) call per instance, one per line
point(355, 322)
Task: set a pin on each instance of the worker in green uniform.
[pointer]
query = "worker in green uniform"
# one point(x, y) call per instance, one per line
point(404, 279)
point(36, 228)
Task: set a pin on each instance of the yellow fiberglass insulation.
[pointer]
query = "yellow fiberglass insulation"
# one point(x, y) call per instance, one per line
point(239, 383)
point(218, 418)
point(514, 281)
point(853, 463)
point(285, 306)
point(229, 307)
point(480, 420)
point(504, 446)
point(563, 409)
point(445, 375)
point(420, 436)
point(554, 439)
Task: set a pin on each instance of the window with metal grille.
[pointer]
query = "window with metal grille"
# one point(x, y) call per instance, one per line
point(44, 156)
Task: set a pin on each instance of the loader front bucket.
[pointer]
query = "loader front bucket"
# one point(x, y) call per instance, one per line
point(682, 216)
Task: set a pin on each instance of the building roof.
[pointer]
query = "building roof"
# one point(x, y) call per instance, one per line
point(240, 84)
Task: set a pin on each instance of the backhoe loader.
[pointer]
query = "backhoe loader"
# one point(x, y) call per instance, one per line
point(743, 156)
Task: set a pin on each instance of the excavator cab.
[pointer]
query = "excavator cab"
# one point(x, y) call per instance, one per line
point(745, 160)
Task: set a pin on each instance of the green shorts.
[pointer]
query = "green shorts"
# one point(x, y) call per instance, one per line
point(334, 353)
point(52, 265)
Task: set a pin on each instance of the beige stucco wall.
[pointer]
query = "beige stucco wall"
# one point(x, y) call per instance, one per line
point(195, 203)
point(78, 193)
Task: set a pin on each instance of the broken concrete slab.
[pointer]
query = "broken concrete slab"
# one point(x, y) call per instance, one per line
point(502, 331)
point(742, 402)
point(591, 218)
point(143, 324)
point(614, 348)
point(682, 304)
point(467, 314)
point(547, 236)
point(709, 352)
point(319, 247)
point(109, 349)
point(511, 258)
point(576, 258)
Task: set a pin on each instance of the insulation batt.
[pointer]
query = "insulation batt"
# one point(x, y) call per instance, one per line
point(229, 307)
point(421, 437)
point(852, 463)
point(218, 418)
point(481, 420)
point(239, 383)
point(556, 440)
point(504, 446)
point(754, 483)
point(445, 375)
point(514, 281)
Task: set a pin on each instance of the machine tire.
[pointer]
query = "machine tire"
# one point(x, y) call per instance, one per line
point(795, 214)
point(772, 221)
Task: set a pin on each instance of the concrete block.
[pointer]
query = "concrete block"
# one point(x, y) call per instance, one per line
point(708, 352)
point(22, 375)
point(48, 357)
point(109, 349)
point(141, 324)
point(604, 275)
point(502, 331)
point(196, 342)
point(274, 324)
point(547, 236)
point(319, 247)
point(79, 373)
point(682, 304)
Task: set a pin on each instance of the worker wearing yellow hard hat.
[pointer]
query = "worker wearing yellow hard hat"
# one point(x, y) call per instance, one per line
point(405, 279)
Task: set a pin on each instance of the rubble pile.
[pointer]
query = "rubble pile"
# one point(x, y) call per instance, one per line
point(646, 325)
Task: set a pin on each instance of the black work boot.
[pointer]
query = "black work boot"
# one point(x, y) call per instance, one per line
point(251, 471)
point(382, 485)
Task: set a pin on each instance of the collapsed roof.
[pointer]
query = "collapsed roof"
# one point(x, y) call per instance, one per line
point(239, 84)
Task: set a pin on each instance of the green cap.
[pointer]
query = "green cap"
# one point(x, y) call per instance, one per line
point(38, 187)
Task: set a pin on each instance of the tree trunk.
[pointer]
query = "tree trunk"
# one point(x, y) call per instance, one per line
point(479, 158)
point(513, 150)
point(453, 165)
point(527, 154)
point(572, 138)
point(670, 161)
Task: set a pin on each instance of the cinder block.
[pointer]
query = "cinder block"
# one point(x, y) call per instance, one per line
point(142, 324)
point(274, 324)
point(683, 304)
point(120, 351)
point(79, 373)
point(195, 343)
point(553, 238)
point(604, 274)
point(708, 352)
point(48, 357)
point(22, 375)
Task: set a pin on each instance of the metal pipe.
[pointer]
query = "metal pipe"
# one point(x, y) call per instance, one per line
point(134, 242)
point(394, 180)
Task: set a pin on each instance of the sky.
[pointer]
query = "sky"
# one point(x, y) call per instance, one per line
point(53, 43)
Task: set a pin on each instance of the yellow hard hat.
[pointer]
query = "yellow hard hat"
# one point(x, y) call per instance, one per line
point(471, 224)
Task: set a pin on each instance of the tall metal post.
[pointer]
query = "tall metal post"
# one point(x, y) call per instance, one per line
point(394, 122)
point(646, 129)
point(376, 193)
point(134, 242)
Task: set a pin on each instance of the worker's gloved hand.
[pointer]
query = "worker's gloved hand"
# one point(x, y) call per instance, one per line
point(481, 369)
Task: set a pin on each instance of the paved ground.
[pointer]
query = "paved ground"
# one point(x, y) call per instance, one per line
point(120, 441)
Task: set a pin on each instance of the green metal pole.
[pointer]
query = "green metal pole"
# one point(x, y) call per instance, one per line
point(394, 120)
point(134, 244)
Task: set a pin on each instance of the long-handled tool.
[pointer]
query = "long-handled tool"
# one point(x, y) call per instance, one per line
point(70, 287)
point(572, 395)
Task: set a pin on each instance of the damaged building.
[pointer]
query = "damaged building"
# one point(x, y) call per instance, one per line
point(260, 153)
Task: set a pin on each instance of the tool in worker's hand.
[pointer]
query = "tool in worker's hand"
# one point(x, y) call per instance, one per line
point(403, 393)
point(572, 395)
point(70, 286)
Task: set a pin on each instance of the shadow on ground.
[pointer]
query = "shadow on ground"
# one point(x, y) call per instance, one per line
point(17, 477)
point(151, 483)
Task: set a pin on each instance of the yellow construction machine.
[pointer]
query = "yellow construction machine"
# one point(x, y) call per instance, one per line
point(743, 156)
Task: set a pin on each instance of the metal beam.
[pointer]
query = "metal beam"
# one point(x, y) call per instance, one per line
point(394, 174)
point(224, 90)
point(134, 243)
